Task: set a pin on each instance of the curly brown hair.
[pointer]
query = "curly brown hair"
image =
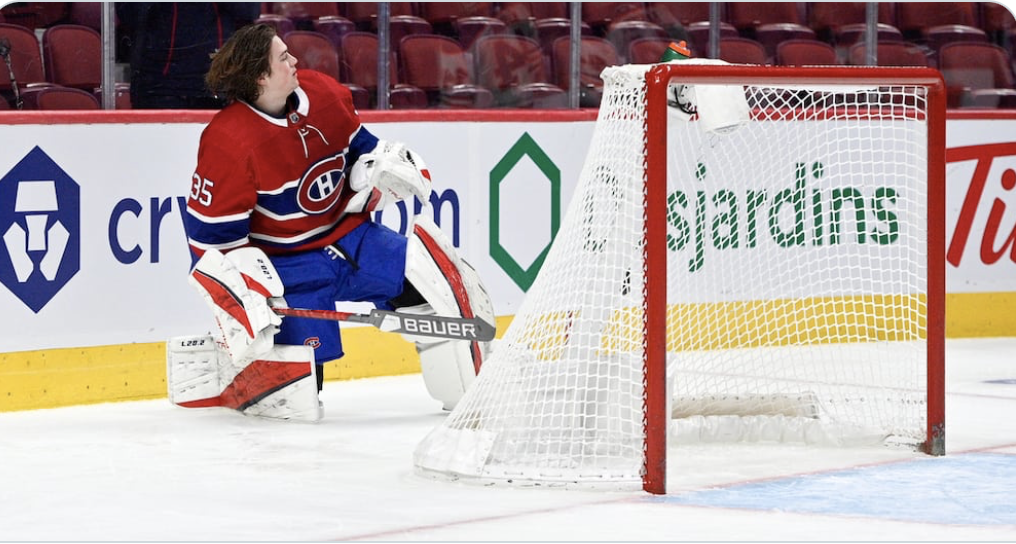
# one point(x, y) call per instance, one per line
point(241, 61)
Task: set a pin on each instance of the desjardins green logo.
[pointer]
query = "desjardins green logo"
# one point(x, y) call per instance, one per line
point(725, 219)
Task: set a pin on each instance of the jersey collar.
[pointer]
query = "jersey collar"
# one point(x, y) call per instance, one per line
point(302, 108)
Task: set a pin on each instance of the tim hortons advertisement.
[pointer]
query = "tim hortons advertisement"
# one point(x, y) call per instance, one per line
point(93, 252)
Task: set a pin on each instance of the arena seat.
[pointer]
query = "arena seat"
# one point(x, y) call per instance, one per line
point(975, 72)
point(805, 52)
point(468, 29)
point(698, 35)
point(742, 51)
point(647, 50)
point(364, 14)
point(282, 24)
point(513, 69)
point(622, 33)
point(315, 51)
point(889, 54)
point(439, 66)
point(442, 15)
point(551, 28)
point(358, 56)
point(746, 16)
point(914, 18)
point(334, 27)
point(595, 54)
point(72, 55)
point(771, 35)
point(56, 97)
point(26, 59)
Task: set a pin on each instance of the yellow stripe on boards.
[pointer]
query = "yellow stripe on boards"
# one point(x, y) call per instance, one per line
point(52, 378)
point(64, 377)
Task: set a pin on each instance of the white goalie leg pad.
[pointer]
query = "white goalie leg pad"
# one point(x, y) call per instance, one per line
point(451, 287)
point(281, 384)
point(192, 368)
point(237, 288)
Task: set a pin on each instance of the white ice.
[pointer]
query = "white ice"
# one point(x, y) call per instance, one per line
point(150, 471)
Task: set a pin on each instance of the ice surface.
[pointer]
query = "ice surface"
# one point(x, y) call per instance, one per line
point(150, 471)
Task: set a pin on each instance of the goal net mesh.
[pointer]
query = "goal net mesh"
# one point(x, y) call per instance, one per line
point(796, 291)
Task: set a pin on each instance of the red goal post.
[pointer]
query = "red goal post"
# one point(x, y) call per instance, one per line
point(777, 278)
point(657, 80)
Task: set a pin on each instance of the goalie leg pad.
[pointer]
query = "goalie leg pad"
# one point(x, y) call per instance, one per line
point(279, 385)
point(447, 371)
point(451, 287)
point(192, 368)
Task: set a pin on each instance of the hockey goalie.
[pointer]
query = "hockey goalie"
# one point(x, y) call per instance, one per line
point(278, 214)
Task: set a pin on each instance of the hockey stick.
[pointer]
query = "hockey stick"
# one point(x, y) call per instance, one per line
point(435, 326)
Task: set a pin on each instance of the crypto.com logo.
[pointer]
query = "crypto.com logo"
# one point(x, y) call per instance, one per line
point(39, 229)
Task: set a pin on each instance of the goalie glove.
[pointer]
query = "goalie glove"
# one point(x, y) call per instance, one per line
point(388, 173)
point(240, 288)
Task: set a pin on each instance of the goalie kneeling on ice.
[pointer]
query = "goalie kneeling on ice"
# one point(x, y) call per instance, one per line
point(721, 109)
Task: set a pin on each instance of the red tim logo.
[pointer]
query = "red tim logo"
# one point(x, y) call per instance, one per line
point(991, 250)
point(321, 187)
point(313, 342)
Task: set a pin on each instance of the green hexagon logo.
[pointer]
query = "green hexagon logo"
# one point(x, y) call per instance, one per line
point(523, 276)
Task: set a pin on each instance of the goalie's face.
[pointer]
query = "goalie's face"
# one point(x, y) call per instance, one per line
point(281, 78)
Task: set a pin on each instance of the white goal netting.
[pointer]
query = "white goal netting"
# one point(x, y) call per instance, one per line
point(796, 295)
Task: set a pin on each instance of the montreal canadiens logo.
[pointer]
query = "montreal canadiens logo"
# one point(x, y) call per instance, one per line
point(321, 186)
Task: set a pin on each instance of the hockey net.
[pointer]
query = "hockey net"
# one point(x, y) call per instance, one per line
point(780, 279)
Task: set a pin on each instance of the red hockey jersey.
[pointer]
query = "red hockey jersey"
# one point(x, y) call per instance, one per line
point(278, 184)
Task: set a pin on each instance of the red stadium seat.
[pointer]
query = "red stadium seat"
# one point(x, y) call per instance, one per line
point(468, 29)
point(745, 16)
point(595, 54)
point(937, 36)
point(364, 14)
point(974, 69)
point(400, 26)
point(72, 55)
point(303, 14)
point(512, 67)
point(283, 25)
point(442, 15)
point(683, 13)
point(55, 97)
point(600, 15)
point(26, 60)
point(997, 21)
point(850, 35)
point(805, 53)
point(522, 16)
point(439, 66)
point(122, 95)
point(742, 51)
point(890, 54)
point(698, 35)
point(315, 51)
point(772, 34)
point(623, 32)
point(828, 18)
point(87, 14)
point(914, 18)
point(334, 27)
point(359, 67)
point(550, 29)
point(647, 50)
